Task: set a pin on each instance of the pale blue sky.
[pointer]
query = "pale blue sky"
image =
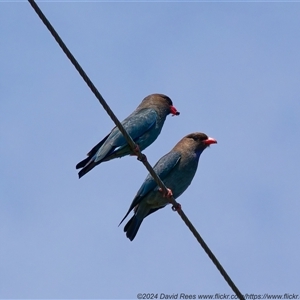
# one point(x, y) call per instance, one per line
point(231, 69)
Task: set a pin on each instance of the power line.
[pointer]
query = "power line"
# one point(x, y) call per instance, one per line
point(134, 147)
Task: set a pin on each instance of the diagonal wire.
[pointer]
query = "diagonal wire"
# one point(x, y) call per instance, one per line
point(134, 147)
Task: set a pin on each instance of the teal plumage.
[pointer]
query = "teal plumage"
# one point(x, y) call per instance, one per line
point(143, 125)
point(176, 169)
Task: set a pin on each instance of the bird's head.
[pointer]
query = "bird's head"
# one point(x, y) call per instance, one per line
point(196, 142)
point(160, 102)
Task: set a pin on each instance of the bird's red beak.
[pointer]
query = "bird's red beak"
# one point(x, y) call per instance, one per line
point(210, 141)
point(174, 111)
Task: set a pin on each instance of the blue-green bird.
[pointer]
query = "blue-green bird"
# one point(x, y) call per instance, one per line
point(176, 169)
point(143, 125)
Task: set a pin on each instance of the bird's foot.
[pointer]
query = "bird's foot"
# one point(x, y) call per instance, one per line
point(176, 207)
point(143, 158)
point(137, 151)
point(168, 194)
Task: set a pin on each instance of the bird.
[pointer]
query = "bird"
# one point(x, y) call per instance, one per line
point(176, 169)
point(143, 125)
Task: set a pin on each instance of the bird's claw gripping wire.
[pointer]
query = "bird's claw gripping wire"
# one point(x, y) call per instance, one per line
point(143, 158)
point(167, 194)
point(137, 152)
point(176, 207)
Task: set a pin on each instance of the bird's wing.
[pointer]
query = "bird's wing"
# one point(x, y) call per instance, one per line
point(162, 168)
point(136, 125)
point(97, 147)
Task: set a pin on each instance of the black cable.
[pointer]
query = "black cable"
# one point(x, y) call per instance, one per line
point(134, 147)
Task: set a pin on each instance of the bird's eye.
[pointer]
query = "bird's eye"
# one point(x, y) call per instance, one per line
point(169, 101)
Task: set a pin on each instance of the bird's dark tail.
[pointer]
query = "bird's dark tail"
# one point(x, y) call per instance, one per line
point(83, 163)
point(132, 227)
point(87, 168)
